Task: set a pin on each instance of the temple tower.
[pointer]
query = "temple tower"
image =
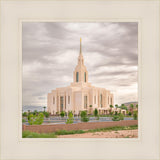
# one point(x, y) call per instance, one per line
point(80, 74)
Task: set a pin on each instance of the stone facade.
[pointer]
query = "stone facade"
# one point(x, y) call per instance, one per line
point(80, 95)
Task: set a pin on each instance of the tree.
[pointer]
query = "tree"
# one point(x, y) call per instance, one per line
point(35, 112)
point(95, 112)
point(70, 119)
point(135, 115)
point(137, 106)
point(115, 118)
point(44, 108)
point(116, 106)
point(121, 116)
point(62, 114)
point(111, 108)
point(36, 119)
point(24, 114)
point(90, 109)
point(131, 106)
point(46, 114)
point(84, 117)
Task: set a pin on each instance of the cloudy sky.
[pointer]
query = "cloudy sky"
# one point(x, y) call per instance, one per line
point(50, 52)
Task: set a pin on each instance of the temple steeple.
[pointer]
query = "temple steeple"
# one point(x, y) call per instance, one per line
point(80, 46)
point(80, 74)
point(80, 58)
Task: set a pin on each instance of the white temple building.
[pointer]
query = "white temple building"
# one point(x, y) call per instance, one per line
point(80, 95)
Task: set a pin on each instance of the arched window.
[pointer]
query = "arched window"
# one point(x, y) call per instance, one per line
point(84, 76)
point(77, 76)
point(101, 100)
point(53, 100)
point(85, 102)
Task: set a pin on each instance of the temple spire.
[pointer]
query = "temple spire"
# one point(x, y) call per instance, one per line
point(80, 46)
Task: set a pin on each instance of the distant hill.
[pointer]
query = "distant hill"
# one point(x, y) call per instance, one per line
point(127, 104)
point(32, 108)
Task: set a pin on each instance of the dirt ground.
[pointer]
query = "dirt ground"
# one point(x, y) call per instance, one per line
point(111, 134)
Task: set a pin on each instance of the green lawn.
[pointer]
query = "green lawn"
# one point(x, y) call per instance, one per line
point(28, 134)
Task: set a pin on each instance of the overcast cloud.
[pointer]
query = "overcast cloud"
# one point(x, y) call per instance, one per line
point(50, 52)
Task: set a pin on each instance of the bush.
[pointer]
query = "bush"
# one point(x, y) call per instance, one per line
point(28, 134)
point(111, 113)
point(116, 112)
point(46, 114)
point(135, 115)
point(23, 120)
point(36, 119)
point(24, 114)
point(95, 112)
point(121, 116)
point(116, 118)
point(35, 112)
point(62, 114)
point(84, 117)
point(130, 113)
point(70, 119)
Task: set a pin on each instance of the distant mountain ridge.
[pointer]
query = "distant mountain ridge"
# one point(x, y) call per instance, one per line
point(127, 104)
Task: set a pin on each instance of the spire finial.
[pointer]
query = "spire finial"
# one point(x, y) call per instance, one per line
point(80, 45)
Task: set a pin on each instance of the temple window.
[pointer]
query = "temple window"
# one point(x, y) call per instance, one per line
point(94, 99)
point(101, 100)
point(84, 76)
point(85, 102)
point(108, 99)
point(77, 76)
point(61, 103)
point(53, 100)
point(68, 99)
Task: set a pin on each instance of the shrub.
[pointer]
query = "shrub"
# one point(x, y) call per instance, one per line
point(111, 113)
point(24, 114)
point(135, 115)
point(84, 117)
point(35, 112)
point(62, 114)
point(116, 118)
point(23, 120)
point(28, 134)
point(130, 113)
point(46, 114)
point(95, 112)
point(57, 113)
point(70, 119)
point(121, 116)
point(116, 112)
point(36, 119)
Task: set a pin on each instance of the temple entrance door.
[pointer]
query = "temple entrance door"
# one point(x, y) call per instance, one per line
point(61, 103)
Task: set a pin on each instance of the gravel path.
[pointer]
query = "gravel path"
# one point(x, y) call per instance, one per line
point(111, 134)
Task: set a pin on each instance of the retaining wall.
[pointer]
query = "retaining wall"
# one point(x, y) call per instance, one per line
point(78, 126)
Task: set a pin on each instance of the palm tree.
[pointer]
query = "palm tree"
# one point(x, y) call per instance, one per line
point(131, 106)
point(90, 109)
point(44, 108)
point(111, 108)
point(122, 106)
point(116, 106)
